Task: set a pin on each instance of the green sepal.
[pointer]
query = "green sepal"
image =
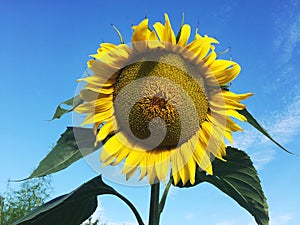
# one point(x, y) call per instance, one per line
point(75, 207)
point(179, 32)
point(251, 120)
point(237, 178)
point(73, 102)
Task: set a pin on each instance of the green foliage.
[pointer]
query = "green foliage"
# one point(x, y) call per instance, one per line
point(75, 207)
point(73, 102)
point(15, 204)
point(238, 178)
point(67, 150)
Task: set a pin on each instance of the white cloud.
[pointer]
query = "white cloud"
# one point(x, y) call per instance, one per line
point(226, 223)
point(281, 219)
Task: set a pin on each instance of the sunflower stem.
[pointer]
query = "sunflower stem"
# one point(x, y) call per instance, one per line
point(154, 213)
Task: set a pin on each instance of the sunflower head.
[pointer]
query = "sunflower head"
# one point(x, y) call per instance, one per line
point(161, 101)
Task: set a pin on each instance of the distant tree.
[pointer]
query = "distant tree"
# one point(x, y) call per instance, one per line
point(16, 203)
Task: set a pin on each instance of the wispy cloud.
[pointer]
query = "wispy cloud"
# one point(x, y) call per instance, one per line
point(250, 141)
point(288, 34)
point(286, 44)
point(288, 123)
point(283, 125)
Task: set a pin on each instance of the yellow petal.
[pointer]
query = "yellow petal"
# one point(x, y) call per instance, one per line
point(130, 173)
point(236, 97)
point(235, 114)
point(231, 125)
point(89, 95)
point(105, 155)
point(113, 145)
point(159, 28)
point(112, 54)
point(133, 160)
point(211, 57)
point(183, 172)
point(165, 32)
point(143, 167)
point(215, 136)
point(141, 31)
point(222, 72)
point(91, 107)
point(100, 81)
point(105, 130)
point(162, 164)
point(99, 117)
point(102, 69)
point(202, 157)
point(176, 178)
point(201, 46)
point(229, 112)
point(175, 169)
point(191, 167)
point(185, 32)
point(100, 89)
point(121, 155)
point(220, 102)
point(222, 152)
point(169, 33)
point(151, 168)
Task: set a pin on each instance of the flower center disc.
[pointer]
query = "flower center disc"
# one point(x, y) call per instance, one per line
point(182, 102)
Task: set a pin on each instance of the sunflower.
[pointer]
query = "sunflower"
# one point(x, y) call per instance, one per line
point(162, 103)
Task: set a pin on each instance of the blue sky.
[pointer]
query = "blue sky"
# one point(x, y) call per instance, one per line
point(44, 47)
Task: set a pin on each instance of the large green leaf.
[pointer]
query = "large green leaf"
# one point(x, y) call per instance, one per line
point(251, 120)
point(238, 178)
point(67, 150)
point(73, 102)
point(75, 207)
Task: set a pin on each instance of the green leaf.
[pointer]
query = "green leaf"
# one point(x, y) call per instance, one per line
point(60, 111)
point(254, 123)
point(238, 178)
point(67, 150)
point(75, 207)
